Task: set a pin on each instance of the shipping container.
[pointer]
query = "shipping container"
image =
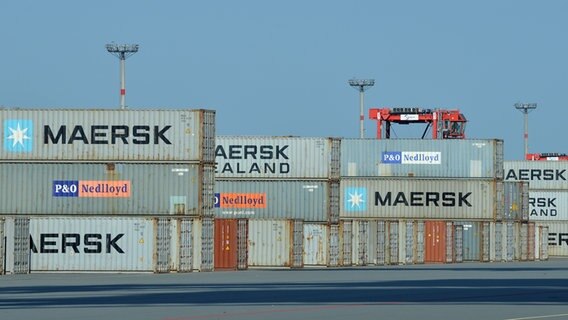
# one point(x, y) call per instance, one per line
point(419, 198)
point(226, 249)
point(270, 243)
point(557, 237)
point(373, 242)
point(316, 243)
point(278, 199)
point(107, 135)
point(515, 201)
point(422, 158)
point(542, 243)
point(435, 241)
point(106, 189)
point(115, 244)
point(260, 157)
point(334, 245)
point(548, 205)
point(541, 175)
point(471, 241)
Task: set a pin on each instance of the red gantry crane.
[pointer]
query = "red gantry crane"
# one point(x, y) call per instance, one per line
point(547, 157)
point(445, 124)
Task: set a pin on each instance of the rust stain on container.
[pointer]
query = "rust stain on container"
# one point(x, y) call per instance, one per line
point(435, 241)
point(225, 244)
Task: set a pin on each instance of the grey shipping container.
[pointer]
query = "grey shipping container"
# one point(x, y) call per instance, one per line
point(541, 175)
point(111, 188)
point(548, 205)
point(279, 199)
point(107, 135)
point(260, 157)
point(116, 244)
point(422, 158)
point(419, 198)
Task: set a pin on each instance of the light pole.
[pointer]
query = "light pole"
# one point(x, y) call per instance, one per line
point(526, 108)
point(361, 85)
point(122, 51)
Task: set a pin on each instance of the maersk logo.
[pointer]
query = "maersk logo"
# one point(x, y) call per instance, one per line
point(411, 157)
point(18, 135)
point(355, 199)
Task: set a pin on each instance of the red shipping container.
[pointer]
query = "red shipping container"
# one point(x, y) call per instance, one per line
point(435, 241)
point(225, 244)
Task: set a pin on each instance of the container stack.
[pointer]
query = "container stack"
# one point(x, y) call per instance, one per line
point(419, 201)
point(548, 203)
point(107, 190)
point(276, 201)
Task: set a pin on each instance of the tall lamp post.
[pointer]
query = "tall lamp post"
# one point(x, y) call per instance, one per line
point(361, 85)
point(122, 51)
point(526, 108)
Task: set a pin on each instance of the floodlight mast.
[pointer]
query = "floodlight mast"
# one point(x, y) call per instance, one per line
point(122, 51)
point(525, 108)
point(361, 85)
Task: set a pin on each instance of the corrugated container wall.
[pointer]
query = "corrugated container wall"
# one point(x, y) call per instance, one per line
point(258, 199)
point(269, 243)
point(107, 135)
point(112, 188)
point(419, 199)
point(422, 158)
point(557, 237)
point(545, 205)
point(541, 175)
point(95, 244)
point(257, 157)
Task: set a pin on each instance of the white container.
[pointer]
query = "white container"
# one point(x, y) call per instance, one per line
point(418, 198)
point(269, 243)
point(107, 135)
point(541, 175)
point(557, 237)
point(316, 242)
point(548, 205)
point(258, 157)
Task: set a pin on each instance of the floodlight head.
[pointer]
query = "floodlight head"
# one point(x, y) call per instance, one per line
point(361, 84)
point(525, 107)
point(122, 51)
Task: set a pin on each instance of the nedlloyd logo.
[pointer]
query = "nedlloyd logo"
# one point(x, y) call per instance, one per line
point(18, 135)
point(355, 199)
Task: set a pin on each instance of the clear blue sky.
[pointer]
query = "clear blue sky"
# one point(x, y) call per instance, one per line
point(281, 67)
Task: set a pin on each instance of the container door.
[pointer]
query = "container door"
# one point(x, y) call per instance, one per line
point(449, 242)
point(420, 242)
point(225, 244)
point(163, 245)
point(524, 242)
point(333, 246)
point(435, 241)
point(207, 244)
point(298, 244)
point(458, 243)
point(498, 241)
point(363, 234)
point(393, 242)
point(2, 247)
point(381, 236)
point(510, 229)
point(270, 243)
point(21, 245)
point(485, 241)
point(409, 254)
point(242, 238)
point(186, 246)
point(530, 241)
point(347, 242)
point(543, 242)
point(315, 244)
point(334, 202)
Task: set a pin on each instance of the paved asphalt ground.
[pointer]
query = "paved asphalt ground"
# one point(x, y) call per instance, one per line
point(503, 291)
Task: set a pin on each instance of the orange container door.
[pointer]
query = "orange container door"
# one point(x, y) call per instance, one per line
point(225, 244)
point(435, 241)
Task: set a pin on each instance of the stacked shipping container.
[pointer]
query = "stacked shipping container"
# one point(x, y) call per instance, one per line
point(548, 204)
point(107, 190)
point(416, 201)
point(278, 195)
